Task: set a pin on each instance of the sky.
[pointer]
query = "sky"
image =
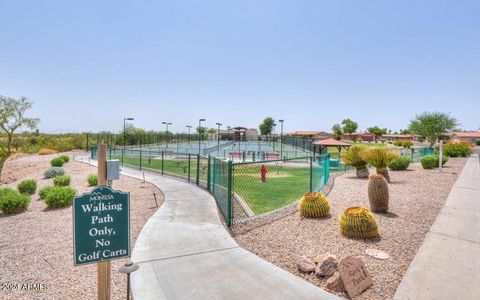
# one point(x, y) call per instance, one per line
point(88, 64)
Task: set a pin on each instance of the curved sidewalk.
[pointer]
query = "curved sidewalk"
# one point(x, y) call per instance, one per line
point(447, 265)
point(185, 252)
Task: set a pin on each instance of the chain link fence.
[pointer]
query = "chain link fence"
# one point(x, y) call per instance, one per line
point(244, 189)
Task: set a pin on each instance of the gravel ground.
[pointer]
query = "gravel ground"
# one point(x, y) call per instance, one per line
point(416, 196)
point(36, 246)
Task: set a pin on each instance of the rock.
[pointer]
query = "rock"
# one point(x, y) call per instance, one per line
point(354, 275)
point(335, 283)
point(306, 265)
point(326, 265)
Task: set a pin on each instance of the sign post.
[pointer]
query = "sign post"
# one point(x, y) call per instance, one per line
point(101, 227)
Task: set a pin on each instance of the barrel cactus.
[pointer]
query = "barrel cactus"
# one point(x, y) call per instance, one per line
point(314, 205)
point(378, 193)
point(358, 223)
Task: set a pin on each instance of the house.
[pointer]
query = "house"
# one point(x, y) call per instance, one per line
point(316, 135)
point(390, 138)
point(359, 136)
point(471, 137)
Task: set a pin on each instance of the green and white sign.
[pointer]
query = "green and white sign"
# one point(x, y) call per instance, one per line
point(101, 226)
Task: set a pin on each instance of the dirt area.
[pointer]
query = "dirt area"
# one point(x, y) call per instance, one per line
point(36, 246)
point(416, 197)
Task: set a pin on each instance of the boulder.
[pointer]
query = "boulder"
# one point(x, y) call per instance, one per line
point(306, 265)
point(326, 265)
point(335, 283)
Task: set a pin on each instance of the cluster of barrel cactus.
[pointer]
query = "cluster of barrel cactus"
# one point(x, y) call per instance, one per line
point(378, 193)
point(358, 223)
point(314, 205)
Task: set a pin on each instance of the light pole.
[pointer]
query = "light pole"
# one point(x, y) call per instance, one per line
point(281, 138)
point(274, 125)
point(199, 134)
point(166, 134)
point(228, 132)
point(218, 138)
point(125, 135)
point(189, 127)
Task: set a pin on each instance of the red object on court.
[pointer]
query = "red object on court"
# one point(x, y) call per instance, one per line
point(263, 173)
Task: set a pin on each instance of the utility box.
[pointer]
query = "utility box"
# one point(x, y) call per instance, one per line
point(113, 169)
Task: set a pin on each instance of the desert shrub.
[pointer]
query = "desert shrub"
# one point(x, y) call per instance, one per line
point(378, 157)
point(65, 158)
point(455, 149)
point(46, 151)
point(92, 180)
point(53, 172)
point(407, 144)
point(401, 163)
point(43, 192)
point(62, 180)
point(353, 156)
point(57, 162)
point(429, 161)
point(398, 143)
point(28, 186)
point(12, 201)
point(59, 196)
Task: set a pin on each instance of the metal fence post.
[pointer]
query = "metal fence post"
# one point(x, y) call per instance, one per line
point(140, 159)
point(411, 151)
point(188, 168)
point(229, 194)
point(87, 143)
point(311, 173)
point(163, 153)
point(209, 172)
point(198, 169)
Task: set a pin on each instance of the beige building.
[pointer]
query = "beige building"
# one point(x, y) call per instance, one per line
point(465, 136)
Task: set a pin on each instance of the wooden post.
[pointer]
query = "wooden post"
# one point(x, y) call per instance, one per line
point(104, 268)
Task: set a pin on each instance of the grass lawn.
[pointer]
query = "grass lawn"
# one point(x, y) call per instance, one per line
point(284, 185)
point(170, 166)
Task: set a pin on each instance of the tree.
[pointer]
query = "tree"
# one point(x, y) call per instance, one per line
point(212, 131)
point(432, 125)
point(337, 131)
point(12, 117)
point(266, 126)
point(201, 130)
point(377, 131)
point(349, 126)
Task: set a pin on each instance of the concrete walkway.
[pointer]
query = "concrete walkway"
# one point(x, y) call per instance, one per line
point(185, 252)
point(447, 265)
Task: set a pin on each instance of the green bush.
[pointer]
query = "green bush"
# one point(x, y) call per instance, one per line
point(398, 143)
point(28, 186)
point(444, 160)
point(53, 172)
point(455, 149)
point(401, 163)
point(43, 192)
point(65, 158)
point(92, 180)
point(12, 202)
point(57, 162)
point(62, 180)
point(429, 161)
point(407, 144)
point(478, 143)
point(59, 196)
